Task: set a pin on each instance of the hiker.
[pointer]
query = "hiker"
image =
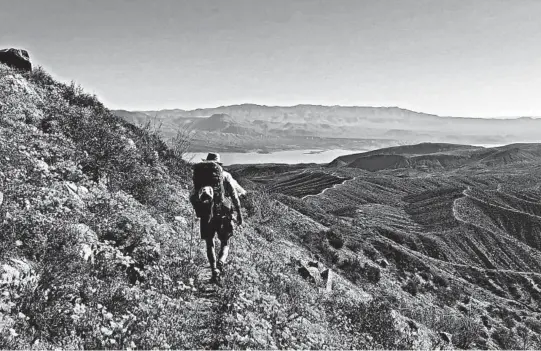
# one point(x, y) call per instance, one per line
point(215, 193)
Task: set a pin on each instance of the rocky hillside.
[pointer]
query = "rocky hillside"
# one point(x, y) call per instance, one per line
point(98, 248)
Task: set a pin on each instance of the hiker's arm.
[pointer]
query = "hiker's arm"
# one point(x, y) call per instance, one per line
point(236, 201)
point(234, 197)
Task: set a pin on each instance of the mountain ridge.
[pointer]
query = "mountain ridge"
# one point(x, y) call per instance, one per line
point(397, 125)
point(253, 105)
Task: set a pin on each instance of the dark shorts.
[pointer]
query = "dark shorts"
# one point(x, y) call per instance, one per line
point(222, 226)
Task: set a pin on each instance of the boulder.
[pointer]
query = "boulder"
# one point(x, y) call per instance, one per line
point(445, 337)
point(314, 264)
point(82, 190)
point(71, 187)
point(83, 233)
point(16, 58)
point(311, 274)
point(382, 262)
point(327, 276)
point(41, 166)
point(130, 144)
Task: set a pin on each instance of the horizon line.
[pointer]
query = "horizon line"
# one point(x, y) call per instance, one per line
point(319, 105)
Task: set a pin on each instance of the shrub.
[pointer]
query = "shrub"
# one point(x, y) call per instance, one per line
point(354, 245)
point(372, 273)
point(370, 252)
point(262, 206)
point(412, 286)
point(353, 269)
point(336, 238)
point(266, 232)
point(181, 142)
point(505, 338)
point(464, 329)
point(440, 281)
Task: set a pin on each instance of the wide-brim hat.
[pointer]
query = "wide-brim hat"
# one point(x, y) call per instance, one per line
point(214, 157)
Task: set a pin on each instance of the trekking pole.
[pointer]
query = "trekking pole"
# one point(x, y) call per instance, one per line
point(191, 235)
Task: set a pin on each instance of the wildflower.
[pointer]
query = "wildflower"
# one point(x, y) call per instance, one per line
point(79, 308)
point(18, 242)
point(13, 333)
point(106, 331)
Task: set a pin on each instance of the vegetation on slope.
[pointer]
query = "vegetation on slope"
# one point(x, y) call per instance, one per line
point(455, 250)
point(98, 249)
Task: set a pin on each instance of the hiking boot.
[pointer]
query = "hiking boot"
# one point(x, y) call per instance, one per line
point(215, 276)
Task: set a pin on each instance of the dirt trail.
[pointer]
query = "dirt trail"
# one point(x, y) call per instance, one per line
point(332, 187)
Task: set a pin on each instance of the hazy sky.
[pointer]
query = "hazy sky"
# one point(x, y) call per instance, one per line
point(449, 57)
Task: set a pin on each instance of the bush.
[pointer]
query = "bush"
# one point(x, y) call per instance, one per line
point(266, 232)
point(372, 273)
point(353, 269)
point(440, 281)
point(465, 330)
point(505, 338)
point(412, 286)
point(262, 206)
point(336, 238)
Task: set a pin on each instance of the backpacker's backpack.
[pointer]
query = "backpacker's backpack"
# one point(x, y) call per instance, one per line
point(211, 174)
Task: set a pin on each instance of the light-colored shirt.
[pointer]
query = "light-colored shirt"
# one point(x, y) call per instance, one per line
point(232, 189)
point(228, 177)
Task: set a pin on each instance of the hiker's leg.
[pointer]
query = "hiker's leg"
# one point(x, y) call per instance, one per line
point(224, 251)
point(211, 255)
point(225, 232)
point(207, 234)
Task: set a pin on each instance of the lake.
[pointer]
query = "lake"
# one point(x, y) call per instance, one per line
point(289, 156)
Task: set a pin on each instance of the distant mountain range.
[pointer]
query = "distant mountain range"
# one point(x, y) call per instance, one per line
point(391, 123)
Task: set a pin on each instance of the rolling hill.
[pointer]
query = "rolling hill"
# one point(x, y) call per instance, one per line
point(474, 220)
point(437, 156)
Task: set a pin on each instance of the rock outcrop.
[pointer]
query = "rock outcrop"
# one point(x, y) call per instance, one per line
point(16, 58)
point(316, 273)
